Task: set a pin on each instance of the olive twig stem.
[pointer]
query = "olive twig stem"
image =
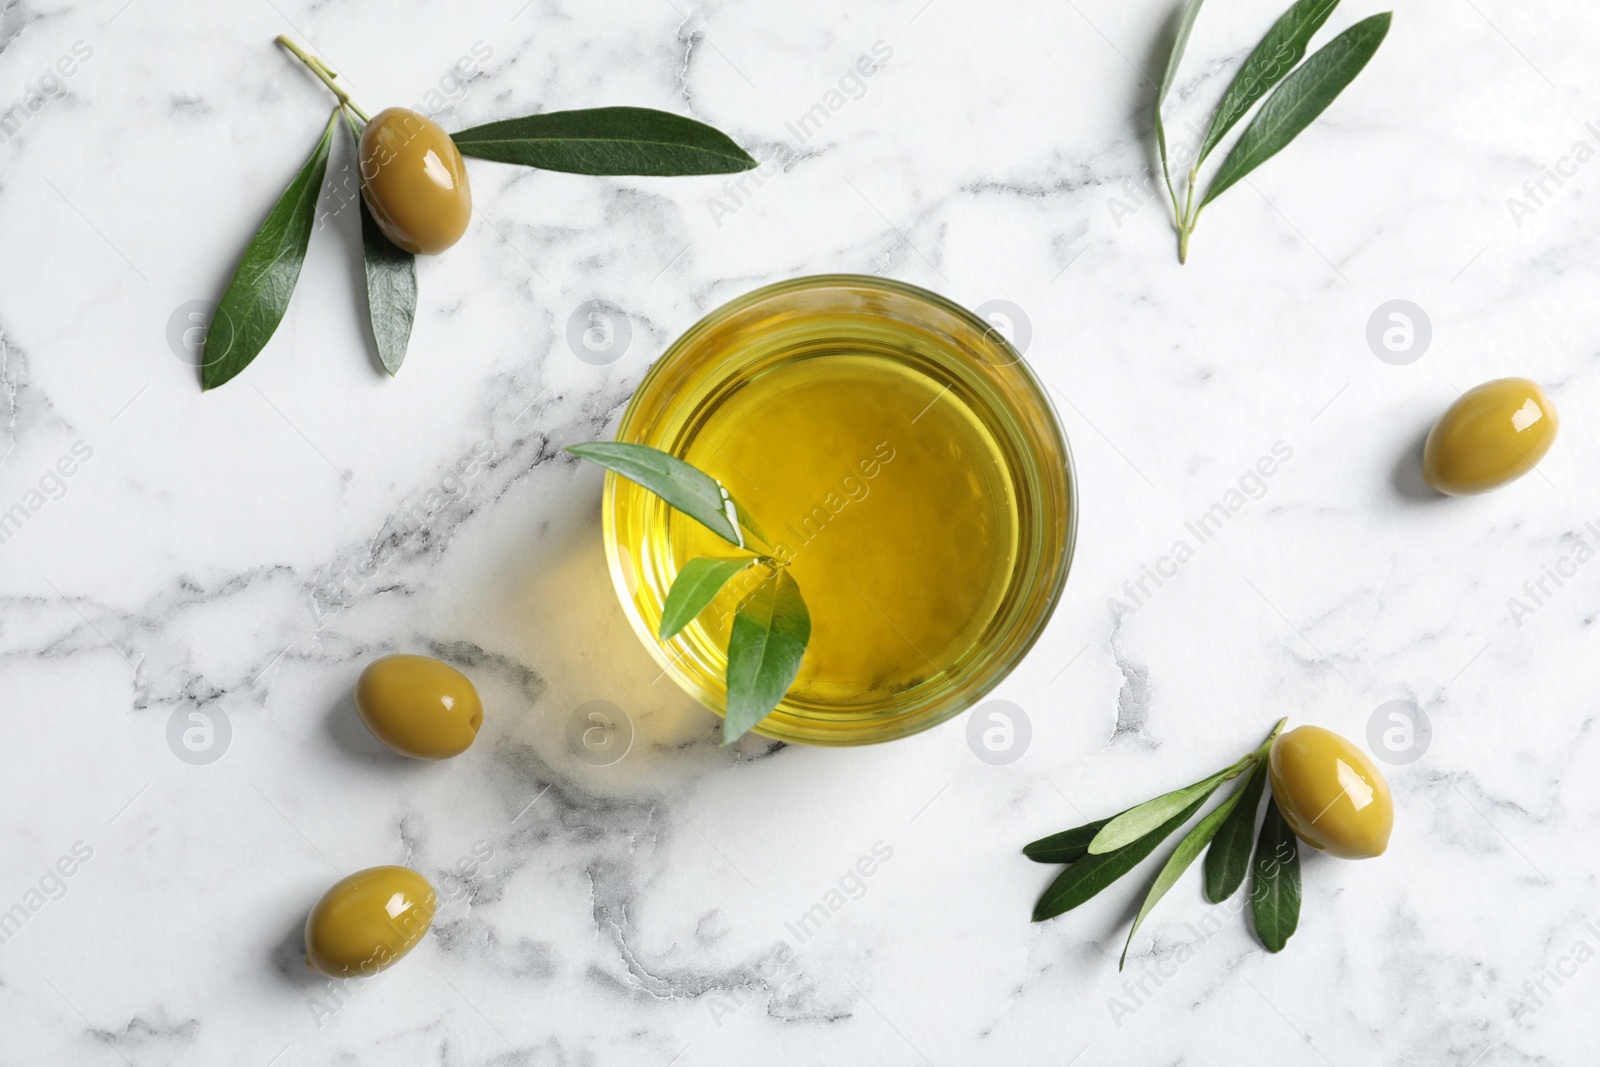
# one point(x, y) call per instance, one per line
point(1247, 762)
point(1188, 216)
point(350, 120)
point(1166, 171)
point(1266, 746)
point(326, 76)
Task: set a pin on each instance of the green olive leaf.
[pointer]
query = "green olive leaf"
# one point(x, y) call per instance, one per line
point(391, 274)
point(695, 586)
point(1228, 859)
point(685, 487)
point(1191, 11)
point(1142, 818)
point(1095, 871)
point(1275, 891)
point(607, 140)
point(1187, 851)
point(1270, 62)
point(1297, 102)
point(747, 522)
point(391, 291)
point(256, 298)
point(1066, 847)
point(770, 631)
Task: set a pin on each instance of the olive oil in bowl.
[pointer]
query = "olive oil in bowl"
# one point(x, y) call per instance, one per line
point(898, 456)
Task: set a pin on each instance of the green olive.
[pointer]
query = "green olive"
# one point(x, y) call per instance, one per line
point(367, 921)
point(1330, 793)
point(414, 181)
point(1493, 435)
point(418, 706)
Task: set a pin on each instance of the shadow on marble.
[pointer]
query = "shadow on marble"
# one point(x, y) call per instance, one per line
point(350, 736)
point(1406, 476)
point(561, 612)
point(289, 959)
point(1204, 917)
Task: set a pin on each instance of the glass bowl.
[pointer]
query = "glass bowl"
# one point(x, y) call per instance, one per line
point(962, 557)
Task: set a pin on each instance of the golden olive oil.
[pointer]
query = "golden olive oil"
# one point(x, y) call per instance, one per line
point(889, 499)
point(898, 456)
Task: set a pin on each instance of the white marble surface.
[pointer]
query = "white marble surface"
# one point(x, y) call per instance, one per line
point(211, 555)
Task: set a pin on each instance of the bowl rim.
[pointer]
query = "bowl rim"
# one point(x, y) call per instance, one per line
point(998, 672)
